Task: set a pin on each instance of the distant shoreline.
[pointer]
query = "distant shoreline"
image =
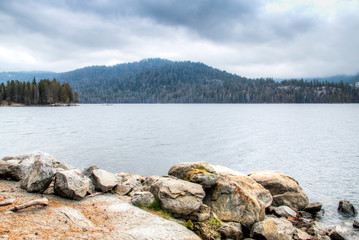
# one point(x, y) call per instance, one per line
point(39, 105)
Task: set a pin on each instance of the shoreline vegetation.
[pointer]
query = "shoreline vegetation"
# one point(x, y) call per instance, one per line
point(5, 104)
point(202, 201)
point(43, 93)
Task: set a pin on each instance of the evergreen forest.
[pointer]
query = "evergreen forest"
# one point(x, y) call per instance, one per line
point(163, 81)
point(32, 93)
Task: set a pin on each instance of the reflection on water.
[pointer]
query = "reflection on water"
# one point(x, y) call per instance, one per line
point(316, 144)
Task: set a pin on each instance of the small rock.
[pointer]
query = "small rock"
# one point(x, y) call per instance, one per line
point(301, 235)
point(345, 208)
point(318, 228)
point(285, 211)
point(340, 233)
point(313, 207)
point(128, 184)
point(200, 215)
point(270, 209)
point(103, 181)
point(356, 224)
point(142, 199)
point(306, 215)
point(206, 231)
point(267, 229)
point(284, 226)
point(231, 230)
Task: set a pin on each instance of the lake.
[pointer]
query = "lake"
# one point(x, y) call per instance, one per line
point(316, 144)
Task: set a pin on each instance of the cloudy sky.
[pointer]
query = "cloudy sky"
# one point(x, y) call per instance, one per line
point(252, 38)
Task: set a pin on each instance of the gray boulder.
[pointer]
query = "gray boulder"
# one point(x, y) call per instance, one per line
point(142, 199)
point(340, 233)
point(10, 169)
point(285, 211)
point(230, 202)
point(19, 167)
point(313, 207)
point(178, 196)
point(103, 180)
point(318, 229)
point(198, 172)
point(129, 184)
point(231, 230)
point(267, 229)
point(39, 178)
point(284, 189)
point(246, 183)
point(72, 184)
point(356, 224)
point(345, 208)
point(301, 235)
point(284, 226)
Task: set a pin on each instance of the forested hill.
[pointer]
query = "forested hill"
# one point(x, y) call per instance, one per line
point(163, 81)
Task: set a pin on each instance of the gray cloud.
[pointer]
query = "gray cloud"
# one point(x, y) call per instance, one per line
point(246, 37)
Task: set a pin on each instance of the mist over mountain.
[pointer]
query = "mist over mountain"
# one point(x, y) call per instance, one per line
point(163, 81)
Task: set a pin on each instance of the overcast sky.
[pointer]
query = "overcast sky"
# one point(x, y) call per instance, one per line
point(252, 38)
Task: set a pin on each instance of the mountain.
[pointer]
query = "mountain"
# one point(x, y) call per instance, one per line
point(344, 78)
point(26, 76)
point(164, 81)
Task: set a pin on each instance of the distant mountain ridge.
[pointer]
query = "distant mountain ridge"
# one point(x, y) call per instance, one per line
point(163, 81)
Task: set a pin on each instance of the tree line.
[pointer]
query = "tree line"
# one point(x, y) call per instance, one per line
point(42, 93)
point(163, 81)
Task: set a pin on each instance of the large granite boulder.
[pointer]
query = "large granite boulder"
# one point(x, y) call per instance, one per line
point(197, 172)
point(103, 180)
point(246, 183)
point(39, 178)
point(284, 189)
point(72, 184)
point(345, 208)
point(128, 184)
point(19, 167)
point(178, 196)
point(232, 203)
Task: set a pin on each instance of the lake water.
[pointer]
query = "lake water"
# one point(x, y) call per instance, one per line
point(316, 144)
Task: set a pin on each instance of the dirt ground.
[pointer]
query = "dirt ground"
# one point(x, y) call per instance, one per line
point(106, 216)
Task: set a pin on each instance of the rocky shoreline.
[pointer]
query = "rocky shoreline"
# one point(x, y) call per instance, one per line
point(212, 201)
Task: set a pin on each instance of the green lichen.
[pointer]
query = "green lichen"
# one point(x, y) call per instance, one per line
point(188, 224)
point(214, 222)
